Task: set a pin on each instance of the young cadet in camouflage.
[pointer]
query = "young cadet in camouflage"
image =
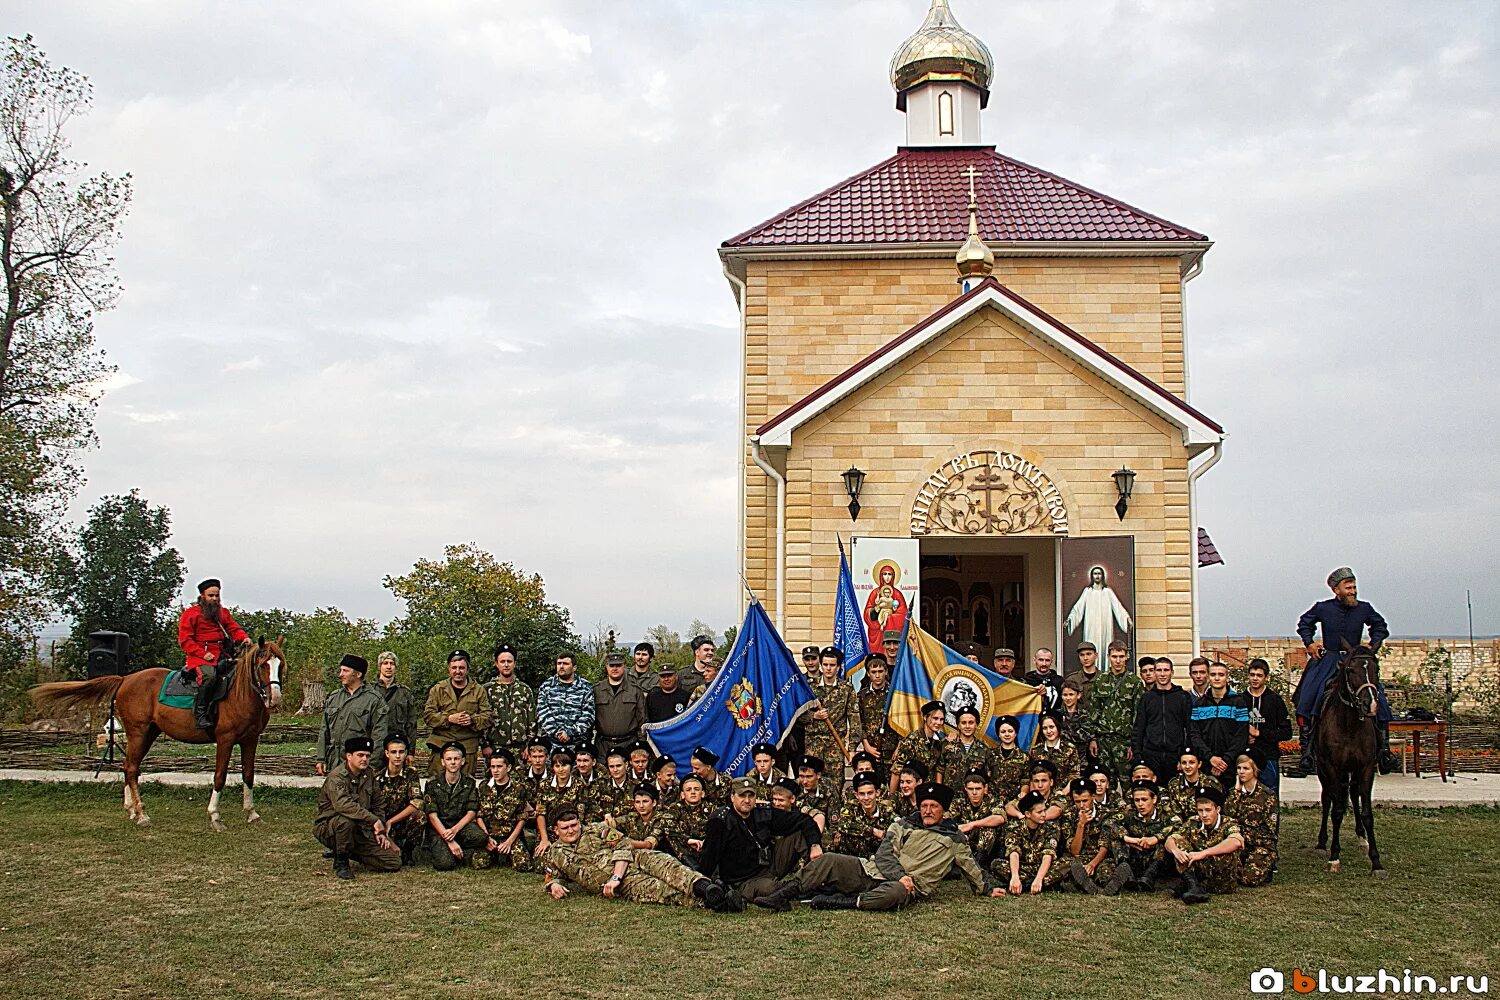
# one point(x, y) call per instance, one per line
point(1207, 851)
point(1051, 746)
point(502, 814)
point(562, 792)
point(512, 704)
point(398, 799)
point(880, 739)
point(690, 818)
point(914, 857)
point(1044, 783)
point(965, 752)
point(784, 799)
point(980, 816)
point(1030, 860)
point(923, 746)
point(595, 859)
point(1073, 718)
point(1010, 766)
point(1179, 795)
point(642, 826)
point(1143, 836)
point(863, 818)
point(837, 713)
point(1253, 808)
point(1107, 803)
point(912, 774)
point(1112, 702)
point(1089, 843)
point(715, 785)
point(816, 792)
point(613, 794)
point(764, 771)
point(664, 768)
point(452, 801)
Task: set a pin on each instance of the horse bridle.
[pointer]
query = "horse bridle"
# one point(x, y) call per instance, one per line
point(263, 689)
point(1349, 694)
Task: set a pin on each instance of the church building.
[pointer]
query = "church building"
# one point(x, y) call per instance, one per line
point(972, 373)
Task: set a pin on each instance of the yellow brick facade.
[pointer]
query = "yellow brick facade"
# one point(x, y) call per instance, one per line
point(986, 384)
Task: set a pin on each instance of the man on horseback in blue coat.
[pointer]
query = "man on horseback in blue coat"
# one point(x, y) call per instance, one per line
point(1343, 619)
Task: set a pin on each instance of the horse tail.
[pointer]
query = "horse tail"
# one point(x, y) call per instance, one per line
point(61, 697)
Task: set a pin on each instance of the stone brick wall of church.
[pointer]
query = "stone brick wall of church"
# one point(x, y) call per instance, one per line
point(989, 384)
point(807, 321)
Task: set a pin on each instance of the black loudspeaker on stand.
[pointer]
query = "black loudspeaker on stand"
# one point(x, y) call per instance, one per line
point(108, 656)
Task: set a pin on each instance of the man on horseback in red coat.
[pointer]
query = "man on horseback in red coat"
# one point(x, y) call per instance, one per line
point(207, 633)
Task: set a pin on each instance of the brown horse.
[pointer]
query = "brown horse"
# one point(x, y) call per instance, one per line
point(243, 714)
point(1347, 754)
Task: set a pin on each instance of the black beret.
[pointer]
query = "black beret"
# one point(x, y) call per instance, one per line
point(810, 762)
point(1080, 785)
point(977, 775)
point(941, 794)
point(763, 748)
point(915, 767)
point(1145, 786)
point(933, 706)
point(1209, 792)
point(458, 654)
point(584, 748)
point(706, 755)
point(1257, 758)
point(503, 647)
point(503, 753)
point(1030, 801)
point(1187, 751)
point(1008, 720)
point(648, 789)
point(644, 646)
point(453, 745)
point(864, 778)
point(873, 657)
point(789, 785)
point(359, 744)
point(210, 582)
point(809, 650)
point(1043, 764)
point(968, 710)
point(536, 742)
point(865, 756)
point(832, 651)
point(355, 663)
point(395, 737)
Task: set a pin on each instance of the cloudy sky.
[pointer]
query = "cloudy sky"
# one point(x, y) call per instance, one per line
point(406, 274)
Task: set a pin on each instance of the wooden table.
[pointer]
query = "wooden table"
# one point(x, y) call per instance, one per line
point(1417, 727)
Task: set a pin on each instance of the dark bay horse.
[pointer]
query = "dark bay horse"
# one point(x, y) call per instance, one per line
point(1347, 753)
point(243, 714)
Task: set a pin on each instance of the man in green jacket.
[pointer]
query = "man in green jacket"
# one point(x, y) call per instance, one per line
point(355, 709)
point(400, 700)
point(346, 823)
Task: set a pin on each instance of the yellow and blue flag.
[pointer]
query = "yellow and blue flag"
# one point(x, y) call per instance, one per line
point(926, 670)
point(849, 625)
point(754, 698)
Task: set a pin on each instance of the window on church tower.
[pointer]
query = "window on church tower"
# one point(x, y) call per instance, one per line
point(945, 113)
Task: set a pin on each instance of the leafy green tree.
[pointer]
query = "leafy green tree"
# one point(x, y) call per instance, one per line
point(470, 600)
point(119, 574)
point(313, 643)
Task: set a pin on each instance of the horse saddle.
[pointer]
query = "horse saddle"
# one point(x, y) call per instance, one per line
point(179, 690)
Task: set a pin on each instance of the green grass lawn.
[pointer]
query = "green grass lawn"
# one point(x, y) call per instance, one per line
point(91, 906)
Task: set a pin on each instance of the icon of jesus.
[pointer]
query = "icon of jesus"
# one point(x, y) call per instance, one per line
point(1097, 612)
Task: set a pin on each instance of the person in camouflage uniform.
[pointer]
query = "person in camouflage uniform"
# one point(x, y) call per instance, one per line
point(965, 751)
point(1030, 860)
point(596, 859)
point(503, 805)
point(452, 801)
point(1044, 783)
point(398, 799)
point(1010, 765)
point(1207, 852)
point(1112, 702)
point(1253, 808)
point(1073, 718)
point(863, 818)
point(784, 797)
point(834, 730)
point(642, 825)
point(664, 769)
point(715, 785)
point(613, 794)
point(638, 756)
point(512, 705)
point(562, 792)
point(912, 774)
point(924, 746)
point(1088, 843)
point(1178, 797)
point(689, 824)
point(980, 816)
point(1050, 745)
point(816, 791)
point(764, 770)
point(1106, 802)
point(880, 739)
point(1143, 836)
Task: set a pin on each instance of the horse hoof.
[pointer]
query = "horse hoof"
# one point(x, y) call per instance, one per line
point(253, 818)
point(1333, 868)
point(218, 826)
point(1364, 844)
point(143, 821)
point(1380, 873)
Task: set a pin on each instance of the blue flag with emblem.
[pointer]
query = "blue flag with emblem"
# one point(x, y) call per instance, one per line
point(849, 624)
point(754, 698)
point(926, 670)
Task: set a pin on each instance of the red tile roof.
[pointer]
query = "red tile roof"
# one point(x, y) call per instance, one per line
point(922, 195)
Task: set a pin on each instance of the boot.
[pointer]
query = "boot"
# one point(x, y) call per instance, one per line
point(1081, 878)
point(1308, 765)
point(711, 893)
point(1388, 761)
point(733, 901)
point(202, 702)
point(834, 901)
point(1192, 890)
point(1117, 881)
point(779, 901)
point(1147, 881)
point(341, 868)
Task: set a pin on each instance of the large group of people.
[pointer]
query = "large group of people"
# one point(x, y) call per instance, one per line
point(1129, 781)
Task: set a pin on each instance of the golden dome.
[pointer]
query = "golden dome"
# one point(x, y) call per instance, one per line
point(974, 259)
point(941, 50)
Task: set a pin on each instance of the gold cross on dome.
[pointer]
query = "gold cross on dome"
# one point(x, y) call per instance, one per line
point(972, 173)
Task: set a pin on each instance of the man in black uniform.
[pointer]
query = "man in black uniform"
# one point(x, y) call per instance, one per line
point(751, 847)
